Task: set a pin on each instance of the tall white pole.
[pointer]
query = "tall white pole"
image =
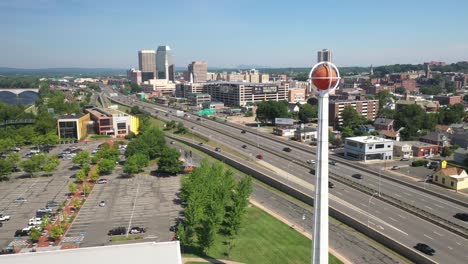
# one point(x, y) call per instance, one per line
point(320, 243)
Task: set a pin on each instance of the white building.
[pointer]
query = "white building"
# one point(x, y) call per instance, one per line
point(368, 148)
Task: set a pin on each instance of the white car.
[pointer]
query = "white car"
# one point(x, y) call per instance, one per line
point(310, 161)
point(35, 221)
point(4, 218)
point(34, 150)
point(102, 204)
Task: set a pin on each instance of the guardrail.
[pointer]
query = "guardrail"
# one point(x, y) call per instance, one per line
point(308, 199)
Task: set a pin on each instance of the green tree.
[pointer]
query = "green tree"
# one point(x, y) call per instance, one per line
point(81, 175)
point(351, 117)
point(400, 90)
point(169, 161)
point(13, 158)
point(447, 152)
point(135, 110)
point(35, 234)
point(72, 187)
point(34, 164)
point(135, 164)
point(5, 170)
point(240, 200)
point(465, 98)
point(86, 189)
point(249, 113)
point(6, 144)
point(307, 112)
point(267, 111)
point(451, 114)
point(384, 97)
point(51, 164)
point(45, 221)
point(94, 176)
point(106, 166)
point(82, 158)
point(56, 231)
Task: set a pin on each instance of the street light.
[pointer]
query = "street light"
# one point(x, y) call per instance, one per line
point(368, 208)
point(289, 163)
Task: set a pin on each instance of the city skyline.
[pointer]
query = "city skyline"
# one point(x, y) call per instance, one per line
point(50, 33)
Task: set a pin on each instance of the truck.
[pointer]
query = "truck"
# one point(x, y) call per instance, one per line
point(179, 113)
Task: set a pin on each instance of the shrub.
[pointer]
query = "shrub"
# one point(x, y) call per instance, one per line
point(419, 163)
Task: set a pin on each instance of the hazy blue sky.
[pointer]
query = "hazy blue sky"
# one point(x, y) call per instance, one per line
point(104, 33)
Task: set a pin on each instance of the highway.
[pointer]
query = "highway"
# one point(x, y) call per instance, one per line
point(393, 222)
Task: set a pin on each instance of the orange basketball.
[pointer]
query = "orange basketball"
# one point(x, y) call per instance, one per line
point(324, 77)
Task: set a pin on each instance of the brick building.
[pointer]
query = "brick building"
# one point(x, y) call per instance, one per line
point(448, 100)
point(367, 108)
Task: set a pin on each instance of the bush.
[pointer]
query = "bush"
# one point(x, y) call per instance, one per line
point(419, 163)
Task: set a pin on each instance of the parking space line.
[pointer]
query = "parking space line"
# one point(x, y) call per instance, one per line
point(133, 210)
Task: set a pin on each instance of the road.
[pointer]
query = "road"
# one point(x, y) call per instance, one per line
point(398, 224)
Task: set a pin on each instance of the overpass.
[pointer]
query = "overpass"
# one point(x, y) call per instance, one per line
point(18, 91)
point(17, 122)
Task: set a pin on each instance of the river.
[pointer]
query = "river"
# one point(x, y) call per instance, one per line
point(25, 98)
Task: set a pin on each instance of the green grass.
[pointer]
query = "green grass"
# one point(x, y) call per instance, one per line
point(264, 239)
point(100, 136)
point(116, 239)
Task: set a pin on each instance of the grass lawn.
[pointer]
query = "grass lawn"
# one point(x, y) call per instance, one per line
point(264, 239)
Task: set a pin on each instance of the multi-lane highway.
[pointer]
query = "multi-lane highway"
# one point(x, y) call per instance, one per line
point(393, 222)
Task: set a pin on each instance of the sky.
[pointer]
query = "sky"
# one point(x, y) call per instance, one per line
point(227, 33)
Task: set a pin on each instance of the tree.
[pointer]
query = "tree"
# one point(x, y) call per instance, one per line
point(94, 176)
point(135, 163)
point(86, 189)
point(240, 200)
point(13, 158)
point(45, 221)
point(35, 234)
point(249, 113)
point(82, 158)
point(400, 90)
point(33, 164)
point(267, 111)
point(135, 110)
point(52, 163)
point(5, 170)
point(384, 97)
point(169, 161)
point(451, 114)
point(307, 112)
point(351, 117)
point(6, 144)
point(81, 175)
point(106, 166)
point(465, 98)
point(72, 188)
point(56, 231)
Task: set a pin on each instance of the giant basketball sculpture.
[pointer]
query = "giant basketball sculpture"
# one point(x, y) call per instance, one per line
point(325, 77)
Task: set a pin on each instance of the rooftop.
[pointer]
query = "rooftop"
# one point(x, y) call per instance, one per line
point(453, 172)
point(71, 116)
point(242, 83)
point(141, 253)
point(369, 139)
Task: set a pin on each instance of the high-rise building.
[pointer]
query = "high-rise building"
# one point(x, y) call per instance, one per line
point(165, 65)
point(324, 55)
point(198, 70)
point(134, 76)
point(147, 64)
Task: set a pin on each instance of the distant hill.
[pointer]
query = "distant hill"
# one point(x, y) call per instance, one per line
point(63, 71)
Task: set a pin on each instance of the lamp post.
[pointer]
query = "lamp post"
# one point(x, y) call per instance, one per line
point(368, 208)
point(324, 76)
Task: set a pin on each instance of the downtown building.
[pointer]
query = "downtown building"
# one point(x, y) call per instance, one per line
point(112, 122)
point(242, 93)
point(197, 72)
point(165, 64)
point(367, 108)
point(147, 64)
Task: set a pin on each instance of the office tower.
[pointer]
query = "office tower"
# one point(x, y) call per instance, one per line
point(134, 76)
point(147, 64)
point(165, 65)
point(324, 55)
point(198, 69)
point(427, 71)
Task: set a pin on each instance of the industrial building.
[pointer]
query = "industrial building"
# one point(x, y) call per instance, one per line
point(113, 122)
point(368, 148)
point(73, 126)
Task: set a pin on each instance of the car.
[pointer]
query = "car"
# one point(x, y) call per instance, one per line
point(243, 131)
point(404, 159)
point(21, 233)
point(172, 142)
point(357, 176)
point(15, 149)
point(332, 162)
point(1, 224)
point(193, 127)
point(102, 181)
point(201, 143)
point(173, 228)
point(35, 221)
point(4, 217)
point(102, 204)
point(461, 216)
point(52, 204)
point(94, 151)
point(28, 228)
point(34, 150)
point(425, 249)
point(331, 185)
point(218, 149)
point(287, 149)
point(244, 146)
point(20, 200)
point(28, 155)
point(198, 119)
point(395, 167)
point(137, 230)
point(259, 156)
point(117, 231)
point(44, 210)
point(310, 161)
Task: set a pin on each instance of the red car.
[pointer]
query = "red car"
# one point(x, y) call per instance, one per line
point(259, 156)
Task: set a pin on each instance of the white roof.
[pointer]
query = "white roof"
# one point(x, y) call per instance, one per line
point(141, 253)
point(369, 139)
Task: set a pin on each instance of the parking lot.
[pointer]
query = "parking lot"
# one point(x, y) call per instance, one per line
point(37, 192)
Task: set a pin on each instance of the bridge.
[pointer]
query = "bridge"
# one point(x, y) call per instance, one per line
point(17, 122)
point(18, 91)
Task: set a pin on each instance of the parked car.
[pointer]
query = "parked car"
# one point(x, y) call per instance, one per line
point(102, 181)
point(15, 149)
point(117, 231)
point(21, 233)
point(52, 204)
point(102, 204)
point(172, 142)
point(395, 167)
point(461, 216)
point(244, 146)
point(35, 221)
point(201, 143)
point(20, 200)
point(259, 156)
point(357, 176)
point(173, 228)
point(331, 185)
point(425, 249)
point(332, 162)
point(404, 159)
point(198, 119)
point(310, 161)
point(4, 217)
point(287, 149)
point(34, 150)
point(218, 149)
point(243, 131)
point(44, 210)
point(137, 230)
